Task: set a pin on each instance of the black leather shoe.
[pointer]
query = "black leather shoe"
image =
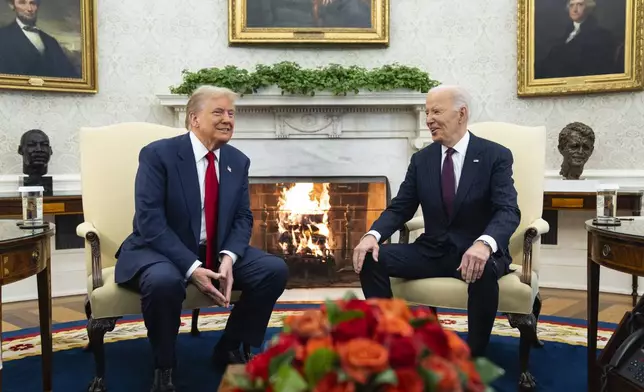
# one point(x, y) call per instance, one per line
point(163, 381)
point(222, 358)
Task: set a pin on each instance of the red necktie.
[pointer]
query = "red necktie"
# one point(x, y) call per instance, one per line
point(211, 203)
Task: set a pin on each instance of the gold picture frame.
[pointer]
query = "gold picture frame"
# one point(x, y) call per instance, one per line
point(51, 49)
point(549, 66)
point(320, 22)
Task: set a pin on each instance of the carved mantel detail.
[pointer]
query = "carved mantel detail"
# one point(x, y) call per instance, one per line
point(367, 115)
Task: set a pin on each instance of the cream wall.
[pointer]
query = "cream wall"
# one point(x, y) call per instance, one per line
point(142, 49)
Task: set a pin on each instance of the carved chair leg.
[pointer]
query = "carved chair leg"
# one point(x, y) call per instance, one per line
point(194, 331)
point(527, 325)
point(88, 314)
point(536, 310)
point(96, 330)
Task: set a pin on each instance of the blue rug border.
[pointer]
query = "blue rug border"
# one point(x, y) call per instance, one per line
point(284, 306)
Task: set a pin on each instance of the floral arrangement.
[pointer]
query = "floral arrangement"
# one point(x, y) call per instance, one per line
point(354, 345)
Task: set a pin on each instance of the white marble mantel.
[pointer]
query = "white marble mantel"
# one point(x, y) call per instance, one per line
point(367, 115)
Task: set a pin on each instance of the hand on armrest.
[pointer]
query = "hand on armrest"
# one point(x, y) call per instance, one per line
point(85, 228)
point(415, 223)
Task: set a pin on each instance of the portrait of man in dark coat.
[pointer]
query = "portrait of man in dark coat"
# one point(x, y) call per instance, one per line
point(579, 38)
point(30, 48)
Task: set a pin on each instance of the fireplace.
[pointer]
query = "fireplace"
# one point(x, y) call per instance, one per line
point(315, 223)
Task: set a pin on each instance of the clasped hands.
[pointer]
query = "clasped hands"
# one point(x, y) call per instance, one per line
point(203, 279)
point(471, 267)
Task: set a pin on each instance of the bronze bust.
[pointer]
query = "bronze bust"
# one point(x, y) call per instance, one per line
point(576, 144)
point(36, 152)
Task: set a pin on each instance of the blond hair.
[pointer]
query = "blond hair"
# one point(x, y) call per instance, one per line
point(204, 93)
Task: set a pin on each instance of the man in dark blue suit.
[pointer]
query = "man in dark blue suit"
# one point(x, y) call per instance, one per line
point(465, 189)
point(193, 225)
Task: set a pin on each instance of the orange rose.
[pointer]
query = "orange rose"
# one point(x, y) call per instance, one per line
point(390, 325)
point(330, 384)
point(474, 382)
point(362, 358)
point(449, 380)
point(457, 346)
point(392, 307)
point(302, 352)
point(408, 381)
point(311, 323)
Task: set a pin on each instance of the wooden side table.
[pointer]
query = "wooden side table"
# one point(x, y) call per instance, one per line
point(24, 253)
point(620, 248)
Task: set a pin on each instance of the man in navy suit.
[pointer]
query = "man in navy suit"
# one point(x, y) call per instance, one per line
point(193, 225)
point(27, 50)
point(464, 186)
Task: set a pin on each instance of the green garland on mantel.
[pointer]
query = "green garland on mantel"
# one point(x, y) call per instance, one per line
point(293, 79)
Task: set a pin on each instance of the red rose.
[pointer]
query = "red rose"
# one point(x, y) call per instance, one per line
point(408, 381)
point(330, 383)
point(258, 366)
point(434, 338)
point(424, 313)
point(403, 351)
point(360, 327)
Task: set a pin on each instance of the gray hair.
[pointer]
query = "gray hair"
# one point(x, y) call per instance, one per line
point(460, 96)
point(590, 4)
point(204, 93)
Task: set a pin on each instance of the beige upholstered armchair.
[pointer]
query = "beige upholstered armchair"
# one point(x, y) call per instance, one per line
point(108, 165)
point(519, 291)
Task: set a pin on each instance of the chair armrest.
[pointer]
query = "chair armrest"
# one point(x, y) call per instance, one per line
point(541, 226)
point(411, 225)
point(531, 234)
point(89, 232)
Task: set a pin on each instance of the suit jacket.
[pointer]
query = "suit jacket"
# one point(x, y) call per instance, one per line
point(593, 51)
point(485, 202)
point(18, 56)
point(167, 218)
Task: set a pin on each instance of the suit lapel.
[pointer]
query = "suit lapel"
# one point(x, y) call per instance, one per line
point(187, 168)
point(469, 172)
point(225, 199)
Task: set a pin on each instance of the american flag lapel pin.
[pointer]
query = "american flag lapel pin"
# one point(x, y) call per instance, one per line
point(229, 169)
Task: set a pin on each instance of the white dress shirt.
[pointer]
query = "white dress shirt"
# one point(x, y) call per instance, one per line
point(574, 31)
point(32, 36)
point(458, 158)
point(200, 152)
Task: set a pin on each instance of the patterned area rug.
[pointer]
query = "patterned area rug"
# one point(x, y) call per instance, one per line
point(559, 366)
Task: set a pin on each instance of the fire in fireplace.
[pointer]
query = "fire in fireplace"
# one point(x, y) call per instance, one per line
point(314, 224)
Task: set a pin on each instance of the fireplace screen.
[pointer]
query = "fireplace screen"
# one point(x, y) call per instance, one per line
point(315, 223)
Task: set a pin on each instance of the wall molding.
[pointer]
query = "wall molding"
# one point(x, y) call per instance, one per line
point(627, 179)
point(9, 183)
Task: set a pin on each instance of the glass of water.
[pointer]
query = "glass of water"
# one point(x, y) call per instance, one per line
point(32, 205)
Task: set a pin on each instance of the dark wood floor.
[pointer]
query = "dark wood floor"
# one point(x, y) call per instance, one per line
point(562, 303)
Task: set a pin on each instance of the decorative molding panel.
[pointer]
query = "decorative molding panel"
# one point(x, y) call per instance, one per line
point(367, 115)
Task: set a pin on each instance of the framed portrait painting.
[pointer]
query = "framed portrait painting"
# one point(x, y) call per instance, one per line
point(308, 21)
point(579, 46)
point(48, 45)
